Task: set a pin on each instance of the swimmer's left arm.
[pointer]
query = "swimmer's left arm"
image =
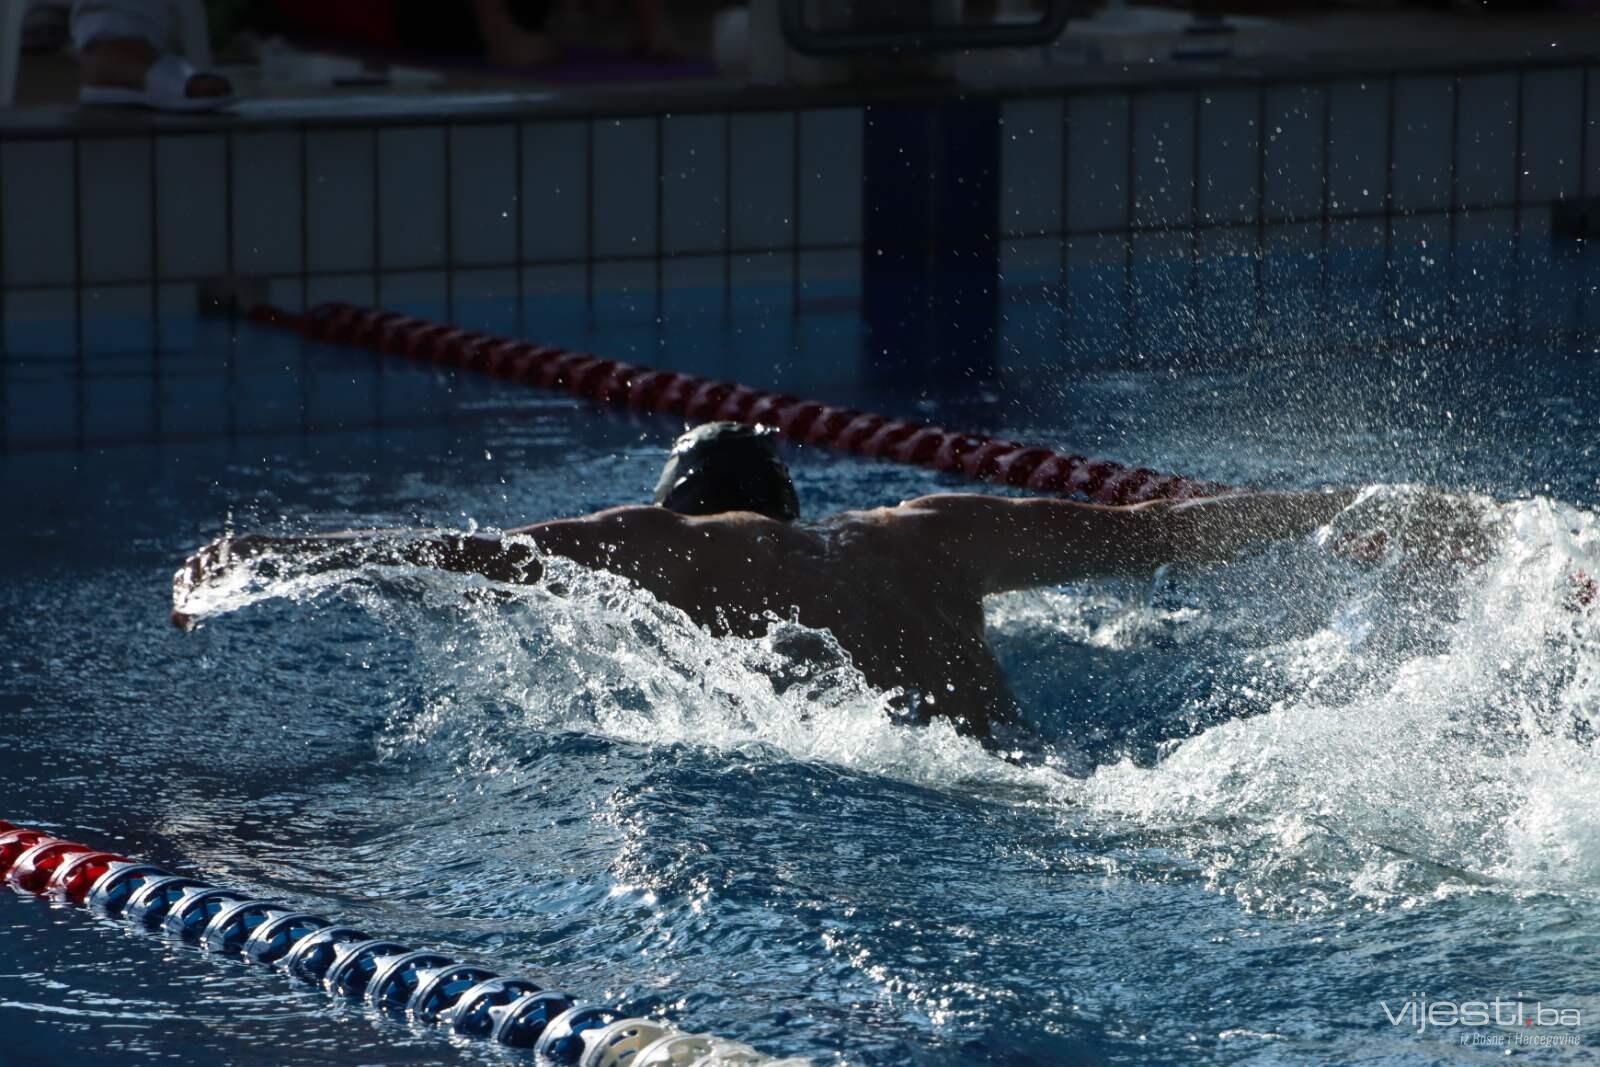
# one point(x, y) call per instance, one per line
point(1219, 528)
point(1006, 543)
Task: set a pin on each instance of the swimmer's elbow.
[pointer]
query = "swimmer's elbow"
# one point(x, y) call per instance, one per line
point(510, 561)
point(1214, 530)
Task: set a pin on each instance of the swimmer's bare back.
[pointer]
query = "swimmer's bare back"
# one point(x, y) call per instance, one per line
point(900, 588)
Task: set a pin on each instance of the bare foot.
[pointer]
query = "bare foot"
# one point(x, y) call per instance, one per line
point(121, 63)
point(663, 47)
point(512, 46)
point(652, 34)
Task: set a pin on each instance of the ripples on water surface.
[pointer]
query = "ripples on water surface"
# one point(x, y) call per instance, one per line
point(1267, 796)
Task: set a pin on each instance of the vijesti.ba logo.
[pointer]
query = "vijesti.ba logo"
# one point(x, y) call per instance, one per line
point(1420, 1012)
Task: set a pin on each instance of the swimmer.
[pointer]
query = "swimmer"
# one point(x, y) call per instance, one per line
point(900, 588)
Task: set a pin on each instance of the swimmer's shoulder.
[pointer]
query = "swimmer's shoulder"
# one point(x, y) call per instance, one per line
point(629, 518)
point(870, 529)
point(653, 522)
point(891, 520)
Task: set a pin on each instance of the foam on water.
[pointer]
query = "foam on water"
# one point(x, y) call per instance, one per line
point(1461, 763)
point(587, 651)
point(1428, 732)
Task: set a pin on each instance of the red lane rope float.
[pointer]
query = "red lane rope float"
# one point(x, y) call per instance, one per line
point(424, 986)
point(645, 389)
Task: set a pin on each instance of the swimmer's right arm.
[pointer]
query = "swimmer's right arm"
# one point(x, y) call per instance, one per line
point(495, 557)
point(647, 544)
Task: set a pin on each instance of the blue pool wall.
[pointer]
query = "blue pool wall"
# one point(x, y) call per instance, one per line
point(812, 240)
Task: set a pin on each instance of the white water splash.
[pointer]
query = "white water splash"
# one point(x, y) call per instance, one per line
point(588, 651)
point(1472, 760)
point(1457, 753)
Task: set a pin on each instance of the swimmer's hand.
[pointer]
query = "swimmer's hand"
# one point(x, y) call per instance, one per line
point(1417, 525)
point(219, 558)
point(498, 558)
point(205, 564)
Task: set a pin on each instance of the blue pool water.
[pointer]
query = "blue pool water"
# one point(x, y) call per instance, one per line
point(1267, 799)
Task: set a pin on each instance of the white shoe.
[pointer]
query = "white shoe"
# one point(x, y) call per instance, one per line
point(166, 88)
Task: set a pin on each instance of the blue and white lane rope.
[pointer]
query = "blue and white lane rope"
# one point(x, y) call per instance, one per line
point(422, 985)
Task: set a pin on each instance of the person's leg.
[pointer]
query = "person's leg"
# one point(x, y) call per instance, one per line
point(118, 40)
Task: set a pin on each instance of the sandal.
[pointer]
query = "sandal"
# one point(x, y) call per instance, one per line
point(166, 88)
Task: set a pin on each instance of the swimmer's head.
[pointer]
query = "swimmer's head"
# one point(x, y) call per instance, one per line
point(726, 466)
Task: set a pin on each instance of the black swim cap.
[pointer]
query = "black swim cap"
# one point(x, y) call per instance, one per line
point(727, 466)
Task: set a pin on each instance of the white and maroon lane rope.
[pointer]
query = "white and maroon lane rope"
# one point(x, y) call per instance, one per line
point(644, 389)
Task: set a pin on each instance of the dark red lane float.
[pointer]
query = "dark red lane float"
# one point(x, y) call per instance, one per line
point(13, 843)
point(32, 870)
point(75, 874)
point(624, 385)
